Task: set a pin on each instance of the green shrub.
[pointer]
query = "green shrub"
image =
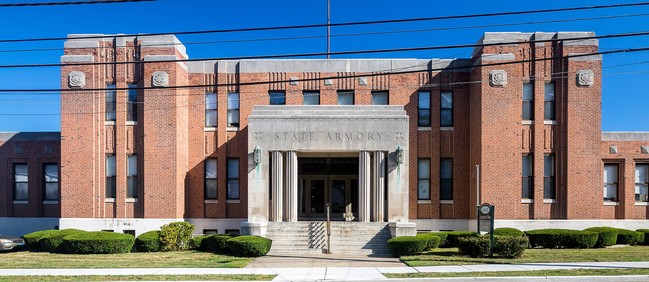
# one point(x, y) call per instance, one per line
point(452, 237)
point(99, 242)
point(249, 246)
point(32, 240)
point(629, 237)
point(53, 242)
point(432, 240)
point(508, 231)
point(217, 243)
point(509, 246)
point(562, 238)
point(148, 241)
point(175, 236)
point(475, 247)
point(646, 235)
point(607, 236)
point(195, 242)
point(407, 245)
point(442, 236)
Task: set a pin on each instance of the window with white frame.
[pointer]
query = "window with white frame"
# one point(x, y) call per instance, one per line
point(446, 109)
point(379, 97)
point(21, 182)
point(548, 177)
point(233, 179)
point(423, 108)
point(528, 101)
point(446, 179)
point(210, 179)
point(527, 178)
point(51, 182)
point(311, 98)
point(131, 191)
point(131, 106)
point(210, 110)
point(610, 182)
point(423, 179)
point(549, 111)
point(641, 183)
point(110, 176)
point(345, 97)
point(111, 102)
point(233, 109)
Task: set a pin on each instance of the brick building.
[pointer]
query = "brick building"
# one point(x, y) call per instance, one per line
point(234, 145)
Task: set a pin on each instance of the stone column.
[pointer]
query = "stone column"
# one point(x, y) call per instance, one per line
point(364, 187)
point(277, 186)
point(290, 193)
point(378, 186)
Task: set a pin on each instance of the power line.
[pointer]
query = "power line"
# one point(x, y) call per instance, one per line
point(88, 2)
point(580, 8)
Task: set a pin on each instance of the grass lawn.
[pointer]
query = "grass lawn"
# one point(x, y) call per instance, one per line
point(130, 260)
point(450, 256)
point(212, 277)
point(564, 272)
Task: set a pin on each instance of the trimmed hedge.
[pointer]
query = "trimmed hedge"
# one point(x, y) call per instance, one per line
point(249, 246)
point(442, 236)
point(607, 236)
point(195, 242)
point(53, 241)
point(217, 243)
point(475, 247)
point(175, 236)
point(432, 239)
point(99, 242)
point(562, 238)
point(508, 231)
point(407, 245)
point(32, 240)
point(453, 236)
point(646, 235)
point(510, 247)
point(629, 237)
point(148, 241)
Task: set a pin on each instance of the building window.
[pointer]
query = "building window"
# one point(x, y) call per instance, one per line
point(131, 106)
point(549, 102)
point(111, 102)
point(233, 178)
point(51, 180)
point(424, 109)
point(210, 231)
point(379, 97)
point(210, 179)
point(641, 183)
point(345, 97)
point(311, 98)
point(423, 179)
point(277, 97)
point(610, 182)
point(210, 110)
point(21, 179)
point(233, 109)
point(131, 191)
point(446, 110)
point(110, 176)
point(446, 179)
point(528, 101)
point(548, 177)
point(527, 177)
point(129, 232)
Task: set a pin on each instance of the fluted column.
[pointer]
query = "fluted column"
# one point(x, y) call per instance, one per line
point(378, 186)
point(364, 187)
point(277, 185)
point(290, 193)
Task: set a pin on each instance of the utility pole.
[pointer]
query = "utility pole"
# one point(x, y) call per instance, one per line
point(328, 28)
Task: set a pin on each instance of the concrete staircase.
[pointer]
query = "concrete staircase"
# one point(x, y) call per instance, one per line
point(310, 237)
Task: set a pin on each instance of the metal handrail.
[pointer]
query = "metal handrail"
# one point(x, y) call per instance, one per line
point(328, 230)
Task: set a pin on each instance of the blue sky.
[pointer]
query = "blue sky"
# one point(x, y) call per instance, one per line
point(625, 92)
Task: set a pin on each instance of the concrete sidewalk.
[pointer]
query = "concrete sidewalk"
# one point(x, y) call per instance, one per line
point(342, 273)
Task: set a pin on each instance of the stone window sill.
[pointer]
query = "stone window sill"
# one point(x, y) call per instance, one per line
point(131, 200)
point(446, 128)
point(209, 129)
point(109, 200)
point(21, 202)
point(230, 128)
point(446, 202)
point(527, 201)
point(609, 203)
point(423, 202)
point(233, 201)
point(109, 122)
point(551, 122)
point(527, 122)
point(642, 203)
point(211, 201)
point(131, 122)
point(53, 202)
point(549, 201)
point(424, 128)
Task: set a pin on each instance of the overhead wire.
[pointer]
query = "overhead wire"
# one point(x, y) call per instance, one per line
point(68, 3)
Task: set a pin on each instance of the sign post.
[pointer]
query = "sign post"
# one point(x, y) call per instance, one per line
point(486, 223)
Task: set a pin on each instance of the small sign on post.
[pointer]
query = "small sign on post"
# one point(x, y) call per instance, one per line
point(486, 223)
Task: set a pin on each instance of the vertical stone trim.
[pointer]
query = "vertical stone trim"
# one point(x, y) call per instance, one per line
point(277, 165)
point(290, 194)
point(364, 187)
point(311, 84)
point(378, 186)
point(277, 80)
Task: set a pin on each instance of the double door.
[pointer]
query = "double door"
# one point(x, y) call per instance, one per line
point(341, 192)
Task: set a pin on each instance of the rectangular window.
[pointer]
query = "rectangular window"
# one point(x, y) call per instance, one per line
point(423, 179)
point(110, 176)
point(345, 97)
point(446, 179)
point(210, 110)
point(527, 177)
point(131, 106)
point(233, 178)
point(549, 113)
point(21, 180)
point(210, 231)
point(311, 98)
point(528, 101)
point(131, 191)
point(210, 179)
point(424, 109)
point(610, 182)
point(446, 110)
point(111, 102)
point(233, 109)
point(379, 97)
point(641, 183)
point(277, 97)
point(51, 180)
point(548, 177)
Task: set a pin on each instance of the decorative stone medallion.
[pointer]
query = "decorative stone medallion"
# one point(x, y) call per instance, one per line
point(585, 78)
point(160, 79)
point(644, 149)
point(498, 78)
point(362, 81)
point(76, 79)
point(612, 149)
